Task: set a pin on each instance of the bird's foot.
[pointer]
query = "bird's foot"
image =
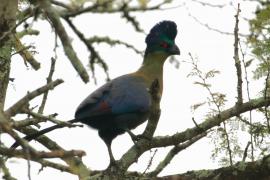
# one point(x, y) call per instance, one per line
point(136, 138)
point(112, 168)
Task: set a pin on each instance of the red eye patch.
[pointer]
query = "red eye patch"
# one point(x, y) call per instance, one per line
point(164, 45)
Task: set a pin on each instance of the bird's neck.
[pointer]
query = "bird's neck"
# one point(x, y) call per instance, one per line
point(152, 68)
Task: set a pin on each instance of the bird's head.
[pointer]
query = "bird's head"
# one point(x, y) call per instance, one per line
point(161, 39)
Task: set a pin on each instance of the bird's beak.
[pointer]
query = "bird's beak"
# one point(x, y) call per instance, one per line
point(174, 50)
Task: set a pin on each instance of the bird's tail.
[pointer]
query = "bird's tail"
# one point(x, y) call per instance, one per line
point(35, 135)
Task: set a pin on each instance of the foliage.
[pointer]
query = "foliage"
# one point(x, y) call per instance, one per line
point(260, 39)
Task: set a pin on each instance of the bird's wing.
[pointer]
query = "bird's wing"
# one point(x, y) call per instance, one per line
point(95, 104)
point(122, 95)
point(129, 95)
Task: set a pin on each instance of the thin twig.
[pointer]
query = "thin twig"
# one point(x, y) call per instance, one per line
point(49, 118)
point(150, 161)
point(112, 42)
point(208, 26)
point(94, 56)
point(102, 8)
point(209, 4)
point(245, 152)
point(248, 95)
point(228, 143)
point(216, 103)
point(28, 166)
point(36, 134)
point(173, 152)
point(49, 79)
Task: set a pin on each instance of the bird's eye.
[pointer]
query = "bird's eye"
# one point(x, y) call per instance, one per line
point(164, 45)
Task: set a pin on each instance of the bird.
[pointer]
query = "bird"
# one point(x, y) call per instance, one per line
point(124, 103)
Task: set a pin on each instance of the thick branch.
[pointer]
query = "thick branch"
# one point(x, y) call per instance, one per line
point(210, 123)
point(162, 141)
point(241, 171)
point(15, 108)
point(5, 126)
point(8, 11)
point(75, 164)
point(54, 17)
point(41, 154)
point(38, 118)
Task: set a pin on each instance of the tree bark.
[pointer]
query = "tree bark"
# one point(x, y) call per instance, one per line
point(8, 9)
point(241, 171)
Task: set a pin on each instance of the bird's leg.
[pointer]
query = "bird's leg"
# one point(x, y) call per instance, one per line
point(112, 160)
point(107, 138)
point(113, 166)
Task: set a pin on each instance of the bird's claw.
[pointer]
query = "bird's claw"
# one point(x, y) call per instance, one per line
point(136, 138)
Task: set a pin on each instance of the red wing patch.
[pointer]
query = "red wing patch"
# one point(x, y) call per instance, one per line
point(104, 106)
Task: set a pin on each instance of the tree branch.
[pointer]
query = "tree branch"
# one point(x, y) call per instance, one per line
point(237, 60)
point(41, 154)
point(162, 141)
point(49, 79)
point(149, 130)
point(94, 55)
point(54, 17)
point(15, 108)
point(155, 110)
point(173, 152)
point(5, 170)
point(112, 42)
point(76, 165)
point(25, 54)
point(247, 171)
point(102, 8)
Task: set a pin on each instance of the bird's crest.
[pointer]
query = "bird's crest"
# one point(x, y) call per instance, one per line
point(163, 28)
